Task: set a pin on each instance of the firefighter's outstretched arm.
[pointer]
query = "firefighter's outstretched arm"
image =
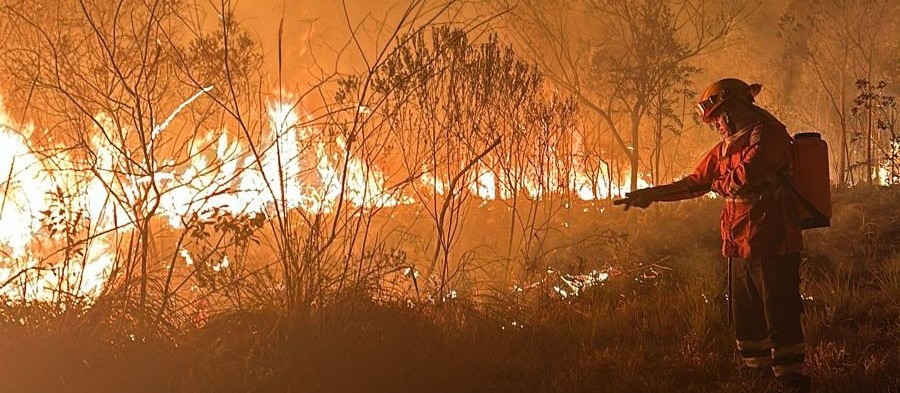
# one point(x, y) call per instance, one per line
point(666, 193)
point(694, 185)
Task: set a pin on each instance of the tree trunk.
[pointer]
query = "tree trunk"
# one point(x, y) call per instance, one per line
point(633, 154)
point(869, 163)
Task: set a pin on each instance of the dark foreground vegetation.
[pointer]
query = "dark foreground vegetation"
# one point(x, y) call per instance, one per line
point(643, 330)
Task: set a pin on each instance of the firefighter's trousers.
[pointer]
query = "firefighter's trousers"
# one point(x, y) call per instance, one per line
point(766, 308)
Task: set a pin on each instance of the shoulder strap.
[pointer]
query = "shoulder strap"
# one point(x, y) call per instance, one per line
point(810, 208)
point(807, 204)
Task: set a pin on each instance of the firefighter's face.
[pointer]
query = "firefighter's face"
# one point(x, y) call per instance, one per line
point(722, 124)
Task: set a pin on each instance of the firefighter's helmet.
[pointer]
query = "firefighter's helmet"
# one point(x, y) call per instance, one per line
point(720, 92)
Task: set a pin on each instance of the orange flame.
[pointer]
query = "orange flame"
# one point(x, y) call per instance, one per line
point(297, 167)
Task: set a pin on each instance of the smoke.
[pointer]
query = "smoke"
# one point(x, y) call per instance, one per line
point(315, 36)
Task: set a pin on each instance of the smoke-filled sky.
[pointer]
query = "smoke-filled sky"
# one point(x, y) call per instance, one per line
point(315, 32)
point(318, 30)
point(312, 30)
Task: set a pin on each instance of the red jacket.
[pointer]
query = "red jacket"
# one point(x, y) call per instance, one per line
point(758, 218)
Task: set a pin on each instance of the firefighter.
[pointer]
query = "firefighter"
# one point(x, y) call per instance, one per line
point(761, 235)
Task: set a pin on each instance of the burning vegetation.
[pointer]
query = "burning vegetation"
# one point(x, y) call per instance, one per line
point(428, 207)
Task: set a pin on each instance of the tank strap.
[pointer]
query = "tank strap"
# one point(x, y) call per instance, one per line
point(810, 208)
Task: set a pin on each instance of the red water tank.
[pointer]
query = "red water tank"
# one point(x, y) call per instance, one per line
point(811, 180)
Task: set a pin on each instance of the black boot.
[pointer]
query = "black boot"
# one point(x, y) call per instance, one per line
point(795, 383)
point(756, 379)
point(756, 373)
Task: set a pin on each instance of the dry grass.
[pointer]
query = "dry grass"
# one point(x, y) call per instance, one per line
point(661, 333)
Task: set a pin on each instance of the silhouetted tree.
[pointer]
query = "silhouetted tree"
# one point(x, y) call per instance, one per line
point(837, 43)
point(623, 58)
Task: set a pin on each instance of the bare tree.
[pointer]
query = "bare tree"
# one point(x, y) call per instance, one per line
point(103, 74)
point(838, 43)
point(623, 58)
point(876, 108)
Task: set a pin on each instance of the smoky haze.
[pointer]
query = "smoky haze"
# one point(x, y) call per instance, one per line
point(316, 33)
point(320, 29)
point(243, 196)
point(315, 38)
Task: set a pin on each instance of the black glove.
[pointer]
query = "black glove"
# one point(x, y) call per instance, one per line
point(639, 202)
point(638, 198)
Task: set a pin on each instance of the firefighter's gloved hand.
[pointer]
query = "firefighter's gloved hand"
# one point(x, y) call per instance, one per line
point(638, 198)
point(642, 203)
point(629, 202)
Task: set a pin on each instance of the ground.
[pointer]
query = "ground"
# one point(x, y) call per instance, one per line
point(643, 330)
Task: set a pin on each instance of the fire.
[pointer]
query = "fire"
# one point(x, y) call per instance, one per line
point(31, 216)
point(294, 170)
point(205, 182)
point(485, 184)
point(24, 193)
point(432, 183)
point(295, 166)
point(886, 172)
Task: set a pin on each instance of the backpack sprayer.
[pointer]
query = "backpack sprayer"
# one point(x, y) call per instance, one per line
point(809, 183)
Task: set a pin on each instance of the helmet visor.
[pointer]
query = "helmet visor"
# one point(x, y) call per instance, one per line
point(706, 106)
